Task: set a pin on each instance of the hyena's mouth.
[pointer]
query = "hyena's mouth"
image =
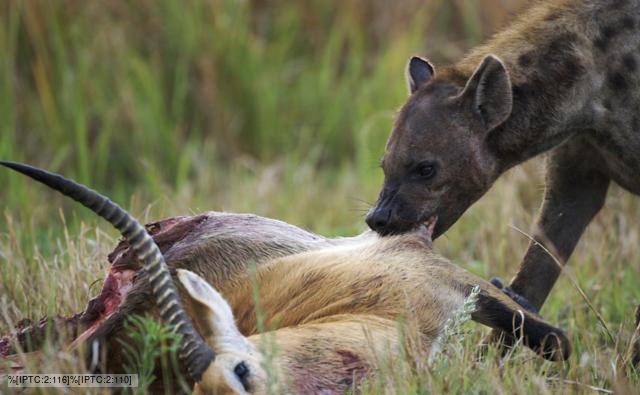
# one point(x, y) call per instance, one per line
point(72, 330)
point(425, 229)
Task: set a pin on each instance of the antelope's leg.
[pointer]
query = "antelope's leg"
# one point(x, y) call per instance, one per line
point(500, 312)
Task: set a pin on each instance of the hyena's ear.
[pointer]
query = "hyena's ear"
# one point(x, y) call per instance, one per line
point(488, 92)
point(212, 314)
point(419, 71)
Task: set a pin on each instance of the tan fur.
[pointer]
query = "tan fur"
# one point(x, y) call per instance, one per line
point(334, 312)
point(332, 306)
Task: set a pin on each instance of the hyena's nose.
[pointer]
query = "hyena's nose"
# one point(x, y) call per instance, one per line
point(378, 218)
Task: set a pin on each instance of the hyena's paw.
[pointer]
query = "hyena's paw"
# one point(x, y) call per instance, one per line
point(516, 297)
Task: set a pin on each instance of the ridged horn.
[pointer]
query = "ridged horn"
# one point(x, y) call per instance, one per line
point(194, 352)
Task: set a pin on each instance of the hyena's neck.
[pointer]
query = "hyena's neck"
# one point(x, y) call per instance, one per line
point(553, 55)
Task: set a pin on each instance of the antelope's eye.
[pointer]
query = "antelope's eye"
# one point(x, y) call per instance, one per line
point(242, 372)
point(426, 170)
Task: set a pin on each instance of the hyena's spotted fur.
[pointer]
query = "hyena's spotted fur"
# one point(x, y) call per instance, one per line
point(564, 77)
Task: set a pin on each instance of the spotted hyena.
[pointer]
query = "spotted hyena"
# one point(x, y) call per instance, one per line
point(563, 78)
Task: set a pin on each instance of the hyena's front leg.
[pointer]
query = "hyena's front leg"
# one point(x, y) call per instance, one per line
point(576, 189)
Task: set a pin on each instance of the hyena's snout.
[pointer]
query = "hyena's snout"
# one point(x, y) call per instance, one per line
point(392, 216)
point(378, 218)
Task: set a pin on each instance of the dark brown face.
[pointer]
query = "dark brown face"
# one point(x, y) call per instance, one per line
point(437, 161)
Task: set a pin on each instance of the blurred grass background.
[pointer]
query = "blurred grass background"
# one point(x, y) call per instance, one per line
point(276, 107)
point(132, 96)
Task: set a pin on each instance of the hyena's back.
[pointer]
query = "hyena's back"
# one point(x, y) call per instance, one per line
point(615, 34)
point(577, 61)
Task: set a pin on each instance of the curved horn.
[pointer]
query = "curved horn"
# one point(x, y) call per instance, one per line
point(194, 352)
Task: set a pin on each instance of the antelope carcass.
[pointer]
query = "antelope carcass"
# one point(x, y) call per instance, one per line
point(332, 305)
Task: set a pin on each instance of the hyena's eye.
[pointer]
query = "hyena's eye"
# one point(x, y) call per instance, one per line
point(426, 170)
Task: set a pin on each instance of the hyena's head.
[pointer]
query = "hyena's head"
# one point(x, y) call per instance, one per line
point(437, 161)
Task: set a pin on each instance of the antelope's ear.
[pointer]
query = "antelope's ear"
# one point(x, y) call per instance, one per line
point(419, 71)
point(488, 92)
point(212, 313)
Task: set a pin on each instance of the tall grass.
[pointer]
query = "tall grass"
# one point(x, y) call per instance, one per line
point(141, 97)
point(144, 94)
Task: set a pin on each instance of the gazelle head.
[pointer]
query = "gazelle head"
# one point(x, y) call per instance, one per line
point(237, 367)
